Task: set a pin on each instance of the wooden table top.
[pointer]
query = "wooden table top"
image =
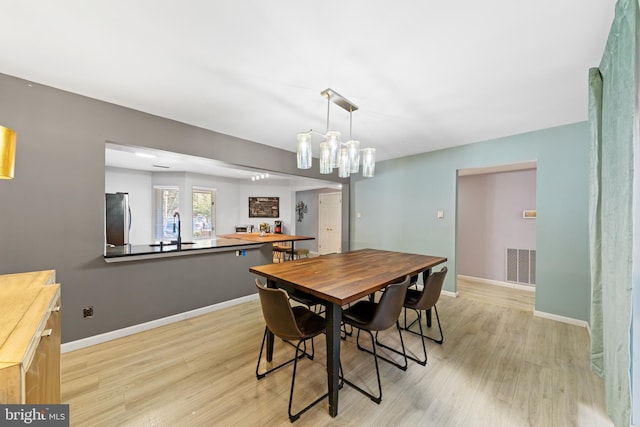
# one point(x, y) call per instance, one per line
point(268, 238)
point(345, 277)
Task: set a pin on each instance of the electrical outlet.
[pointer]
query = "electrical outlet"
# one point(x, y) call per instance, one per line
point(87, 312)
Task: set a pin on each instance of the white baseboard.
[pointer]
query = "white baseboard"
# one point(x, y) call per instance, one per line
point(562, 319)
point(449, 293)
point(130, 330)
point(498, 283)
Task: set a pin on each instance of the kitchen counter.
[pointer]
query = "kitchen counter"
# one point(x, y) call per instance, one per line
point(138, 252)
point(267, 238)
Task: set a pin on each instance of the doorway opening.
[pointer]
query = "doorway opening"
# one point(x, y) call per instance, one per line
point(330, 223)
point(496, 234)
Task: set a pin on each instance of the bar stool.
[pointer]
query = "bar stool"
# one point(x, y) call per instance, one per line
point(297, 253)
point(280, 252)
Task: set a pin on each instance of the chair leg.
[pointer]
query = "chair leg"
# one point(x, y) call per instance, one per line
point(441, 340)
point(305, 353)
point(294, 417)
point(423, 361)
point(260, 375)
point(403, 354)
point(343, 331)
point(376, 399)
point(418, 319)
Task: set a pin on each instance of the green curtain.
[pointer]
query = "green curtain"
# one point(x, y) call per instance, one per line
point(612, 93)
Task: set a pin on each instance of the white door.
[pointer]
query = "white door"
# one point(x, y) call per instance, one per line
point(330, 223)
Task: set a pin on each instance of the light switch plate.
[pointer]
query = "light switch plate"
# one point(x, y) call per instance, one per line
point(440, 214)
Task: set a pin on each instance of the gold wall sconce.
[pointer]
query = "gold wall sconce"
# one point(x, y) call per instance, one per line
point(7, 152)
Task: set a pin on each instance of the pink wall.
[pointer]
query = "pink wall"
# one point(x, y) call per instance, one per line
point(490, 220)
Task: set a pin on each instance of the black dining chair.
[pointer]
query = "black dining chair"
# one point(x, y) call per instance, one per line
point(369, 316)
point(290, 324)
point(421, 301)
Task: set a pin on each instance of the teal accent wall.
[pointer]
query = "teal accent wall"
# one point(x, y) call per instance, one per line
point(396, 210)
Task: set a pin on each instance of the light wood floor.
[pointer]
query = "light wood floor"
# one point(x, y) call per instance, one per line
point(497, 295)
point(498, 366)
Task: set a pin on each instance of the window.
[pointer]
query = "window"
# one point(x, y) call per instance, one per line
point(166, 202)
point(203, 213)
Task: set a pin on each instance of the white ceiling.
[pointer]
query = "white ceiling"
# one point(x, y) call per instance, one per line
point(425, 74)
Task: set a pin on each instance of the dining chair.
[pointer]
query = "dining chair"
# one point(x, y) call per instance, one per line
point(290, 324)
point(370, 316)
point(424, 300)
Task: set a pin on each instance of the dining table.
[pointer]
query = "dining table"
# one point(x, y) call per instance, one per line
point(339, 279)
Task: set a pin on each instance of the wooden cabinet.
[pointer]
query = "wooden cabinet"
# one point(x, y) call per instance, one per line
point(29, 338)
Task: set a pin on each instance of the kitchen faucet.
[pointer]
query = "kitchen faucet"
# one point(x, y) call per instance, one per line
point(179, 241)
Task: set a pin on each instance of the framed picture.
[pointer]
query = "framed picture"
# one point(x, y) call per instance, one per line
point(531, 214)
point(264, 207)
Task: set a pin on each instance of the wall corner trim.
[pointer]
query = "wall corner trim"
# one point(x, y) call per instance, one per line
point(450, 294)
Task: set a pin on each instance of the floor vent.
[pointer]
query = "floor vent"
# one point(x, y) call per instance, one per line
point(521, 266)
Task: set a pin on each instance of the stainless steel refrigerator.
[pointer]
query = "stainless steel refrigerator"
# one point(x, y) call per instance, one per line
point(117, 219)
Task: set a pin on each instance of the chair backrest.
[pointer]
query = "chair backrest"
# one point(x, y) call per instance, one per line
point(277, 312)
point(432, 289)
point(390, 305)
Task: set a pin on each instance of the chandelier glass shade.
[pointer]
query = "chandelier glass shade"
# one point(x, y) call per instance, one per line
point(335, 154)
point(325, 158)
point(304, 151)
point(368, 162)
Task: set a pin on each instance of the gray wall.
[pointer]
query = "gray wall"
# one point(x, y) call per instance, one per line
point(490, 220)
point(53, 210)
point(398, 208)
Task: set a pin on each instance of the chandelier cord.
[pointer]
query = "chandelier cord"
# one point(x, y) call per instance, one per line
point(328, 109)
point(350, 129)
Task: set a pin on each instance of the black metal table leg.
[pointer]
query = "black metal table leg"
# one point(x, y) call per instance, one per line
point(334, 318)
point(425, 275)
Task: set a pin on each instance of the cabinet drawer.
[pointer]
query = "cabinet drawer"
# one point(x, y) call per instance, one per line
point(42, 377)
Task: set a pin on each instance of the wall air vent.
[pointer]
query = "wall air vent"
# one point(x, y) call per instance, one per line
point(521, 266)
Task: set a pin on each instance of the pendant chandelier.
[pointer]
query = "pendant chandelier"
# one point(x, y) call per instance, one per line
point(345, 156)
point(7, 152)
